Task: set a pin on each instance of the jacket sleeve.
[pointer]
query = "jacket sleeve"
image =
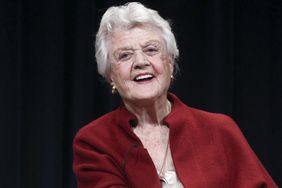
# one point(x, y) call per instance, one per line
point(246, 169)
point(93, 167)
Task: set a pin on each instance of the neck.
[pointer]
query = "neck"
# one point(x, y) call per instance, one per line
point(150, 113)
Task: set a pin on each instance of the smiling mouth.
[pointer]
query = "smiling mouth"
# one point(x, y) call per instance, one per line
point(144, 77)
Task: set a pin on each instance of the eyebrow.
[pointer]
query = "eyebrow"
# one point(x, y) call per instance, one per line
point(123, 48)
point(144, 45)
point(152, 41)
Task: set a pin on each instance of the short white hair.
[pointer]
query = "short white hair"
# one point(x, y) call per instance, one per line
point(126, 17)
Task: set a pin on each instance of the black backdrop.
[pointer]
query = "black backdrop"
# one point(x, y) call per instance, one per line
point(230, 60)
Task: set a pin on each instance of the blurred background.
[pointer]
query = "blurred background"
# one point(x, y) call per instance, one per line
point(230, 62)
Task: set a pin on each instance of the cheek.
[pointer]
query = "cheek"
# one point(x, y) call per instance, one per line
point(120, 72)
point(163, 66)
point(168, 66)
point(114, 73)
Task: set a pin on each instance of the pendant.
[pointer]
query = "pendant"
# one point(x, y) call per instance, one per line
point(163, 180)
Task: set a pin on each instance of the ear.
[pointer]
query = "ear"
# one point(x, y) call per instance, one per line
point(109, 78)
point(112, 85)
point(112, 77)
point(171, 65)
point(110, 81)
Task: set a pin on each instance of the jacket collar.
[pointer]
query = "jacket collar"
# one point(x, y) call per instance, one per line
point(126, 119)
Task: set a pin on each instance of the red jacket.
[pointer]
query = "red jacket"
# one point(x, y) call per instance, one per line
point(208, 151)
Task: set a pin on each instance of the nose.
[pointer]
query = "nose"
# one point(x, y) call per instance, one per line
point(140, 60)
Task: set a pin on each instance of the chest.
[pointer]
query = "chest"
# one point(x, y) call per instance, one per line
point(156, 142)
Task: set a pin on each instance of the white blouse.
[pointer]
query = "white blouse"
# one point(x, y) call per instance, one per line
point(171, 180)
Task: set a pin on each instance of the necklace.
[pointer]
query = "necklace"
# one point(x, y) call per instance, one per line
point(161, 173)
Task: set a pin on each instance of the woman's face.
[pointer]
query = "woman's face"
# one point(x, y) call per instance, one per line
point(140, 65)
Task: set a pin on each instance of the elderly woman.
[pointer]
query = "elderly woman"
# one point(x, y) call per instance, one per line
point(153, 139)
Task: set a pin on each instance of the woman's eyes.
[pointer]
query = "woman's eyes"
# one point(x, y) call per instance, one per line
point(148, 50)
point(151, 50)
point(124, 56)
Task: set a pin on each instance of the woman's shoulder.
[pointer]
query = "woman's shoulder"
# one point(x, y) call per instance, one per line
point(199, 116)
point(210, 117)
point(218, 124)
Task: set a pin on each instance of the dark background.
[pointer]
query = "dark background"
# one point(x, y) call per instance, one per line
point(230, 61)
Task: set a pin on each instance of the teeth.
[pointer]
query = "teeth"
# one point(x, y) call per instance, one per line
point(142, 77)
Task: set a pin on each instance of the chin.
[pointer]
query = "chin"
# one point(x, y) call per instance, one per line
point(147, 94)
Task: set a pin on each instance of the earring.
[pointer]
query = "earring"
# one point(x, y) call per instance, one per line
point(171, 76)
point(114, 89)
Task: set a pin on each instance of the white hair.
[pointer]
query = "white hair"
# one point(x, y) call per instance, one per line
point(128, 16)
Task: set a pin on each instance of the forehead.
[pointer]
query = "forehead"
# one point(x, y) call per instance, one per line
point(134, 37)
